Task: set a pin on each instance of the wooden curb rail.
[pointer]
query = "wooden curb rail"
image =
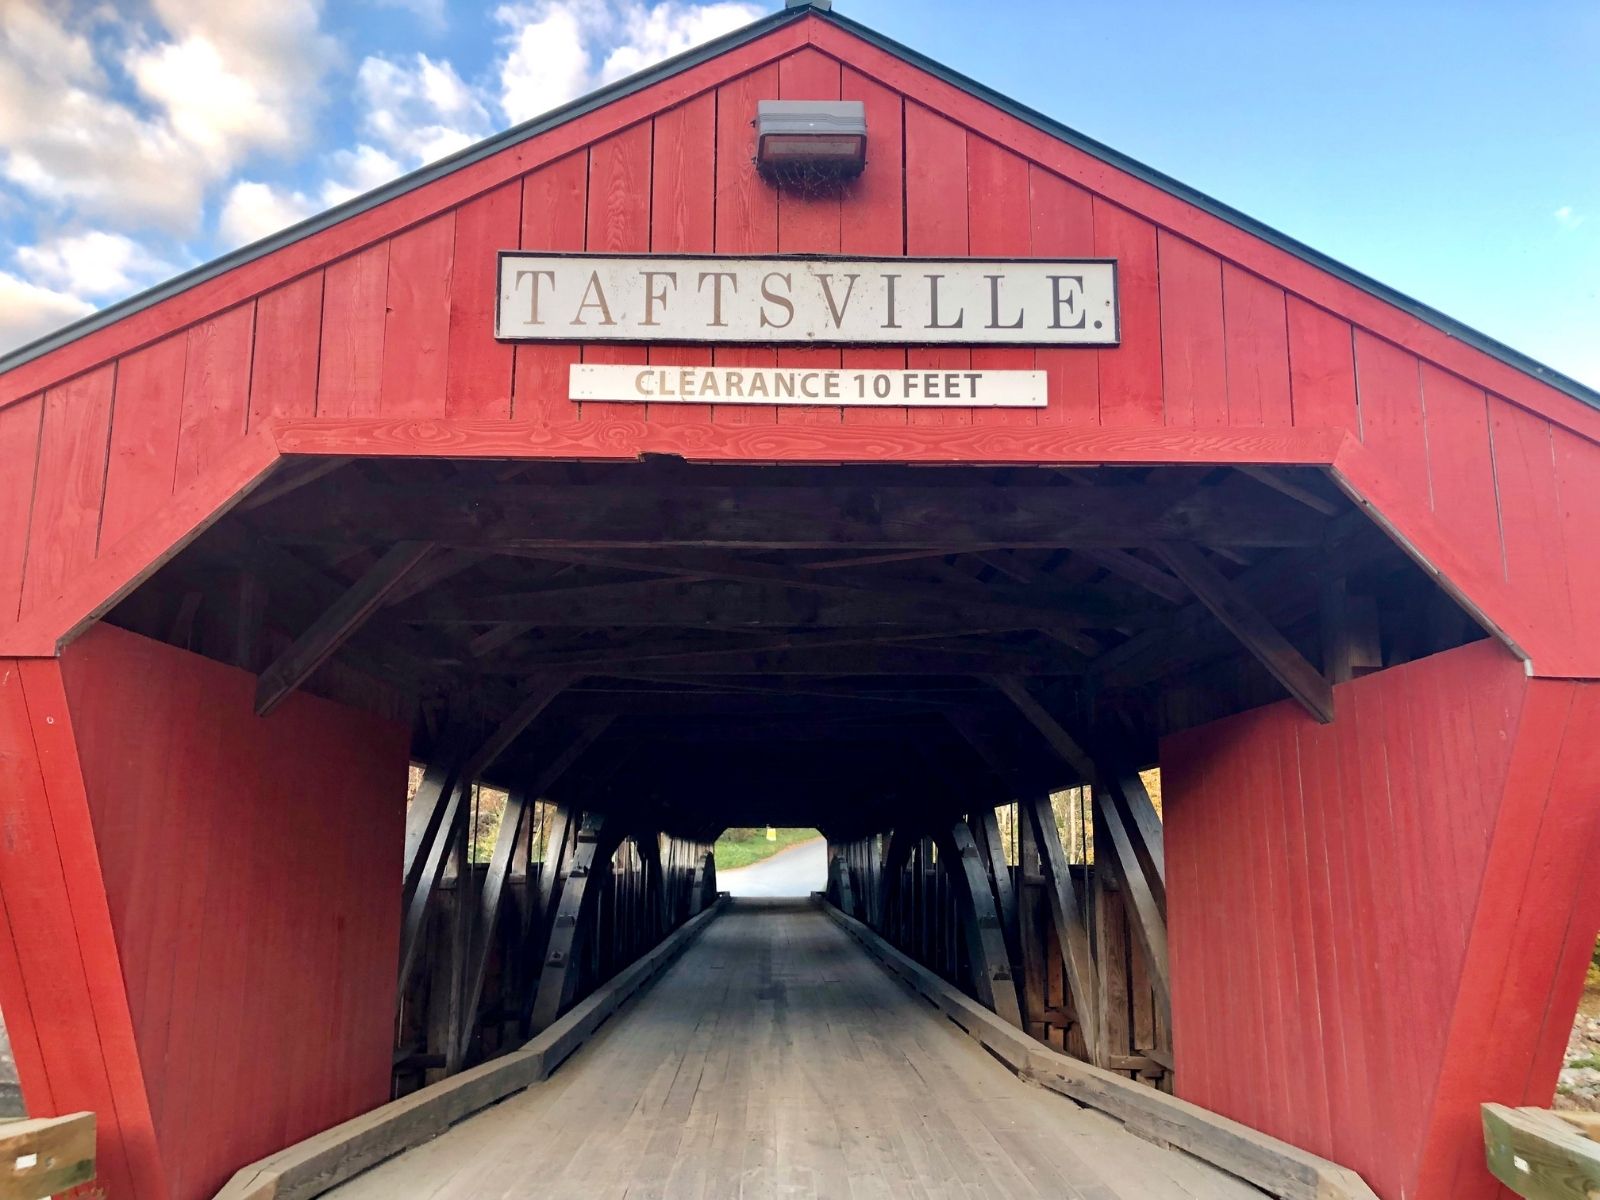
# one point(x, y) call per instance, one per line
point(1274, 1166)
point(325, 1160)
point(46, 1155)
point(1539, 1154)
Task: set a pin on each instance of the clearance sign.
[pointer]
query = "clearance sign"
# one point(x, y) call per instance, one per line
point(807, 301)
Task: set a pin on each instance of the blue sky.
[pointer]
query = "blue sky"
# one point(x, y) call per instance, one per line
point(1450, 150)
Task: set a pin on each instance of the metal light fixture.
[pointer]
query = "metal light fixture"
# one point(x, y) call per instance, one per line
point(806, 140)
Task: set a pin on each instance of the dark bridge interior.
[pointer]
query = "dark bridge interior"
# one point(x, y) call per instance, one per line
point(831, 646)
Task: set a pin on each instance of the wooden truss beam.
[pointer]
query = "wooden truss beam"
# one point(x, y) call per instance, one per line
point(329, 631)
point(518, 802)
point(1041, 592)
point(986, 833)
point(1284, 587)
point(992, 977)
point(597, 840)
point(1060, 740)
point(1137, 885)
point(1067, 914)
point(945, 659)
point(1136, 571)
point(1245, 621)
point(777, 517)
point(450, 826)
point(844, 892)
point(536, 697)
point(740, 604)
point(644, 652)
point(427, 810)
point(1126, 792)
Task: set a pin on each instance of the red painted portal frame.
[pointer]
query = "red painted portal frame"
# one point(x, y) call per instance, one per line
point(1446, 898)
point(1404, 880)
point(200, 945)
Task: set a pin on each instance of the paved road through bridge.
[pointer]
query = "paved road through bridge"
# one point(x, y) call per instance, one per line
point(775, 1058)
point(792, 871)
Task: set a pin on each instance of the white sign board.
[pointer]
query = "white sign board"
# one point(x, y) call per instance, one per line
point(835, 386)
point(835, 301)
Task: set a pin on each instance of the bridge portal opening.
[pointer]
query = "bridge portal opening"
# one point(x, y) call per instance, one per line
point(955, 674)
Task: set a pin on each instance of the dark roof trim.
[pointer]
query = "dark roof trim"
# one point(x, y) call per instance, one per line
point(700, 54)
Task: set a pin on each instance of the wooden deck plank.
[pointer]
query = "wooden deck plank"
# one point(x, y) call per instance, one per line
point(776, 1058)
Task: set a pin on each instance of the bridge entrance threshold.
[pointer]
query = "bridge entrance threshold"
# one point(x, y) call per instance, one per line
point(776, 1058)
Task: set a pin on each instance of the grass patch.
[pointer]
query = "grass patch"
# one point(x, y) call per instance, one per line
point(740, 847)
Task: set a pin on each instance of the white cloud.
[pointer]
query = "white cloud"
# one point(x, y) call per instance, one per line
point(214, 84)
point(551, 47)
point(546, 62)
point(1567, 217)
point(419, 108)
point(357, 171)
point(28, 311)
point(95, 263)
point(253, 210)
point(652, 34)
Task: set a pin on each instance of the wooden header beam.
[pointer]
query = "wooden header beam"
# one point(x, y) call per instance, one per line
point(775, 517)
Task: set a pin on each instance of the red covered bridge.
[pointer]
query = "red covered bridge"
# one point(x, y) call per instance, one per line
point(277, 529)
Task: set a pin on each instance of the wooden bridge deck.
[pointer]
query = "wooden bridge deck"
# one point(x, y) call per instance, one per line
point(776, 1059)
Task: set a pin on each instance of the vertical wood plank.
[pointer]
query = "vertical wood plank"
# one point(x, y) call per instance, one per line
point(350, 373)
point(1460, 468)
point(65, 521)
point(877, 219)
point(287, 341)
point(682, 210)
point(1322, 372)
point(19, 448)
point(1062, 219)
point(1390, 393)
point(416, 333)
point(1307, 1026)
point(808, 224)
point(478, 374)
point(555, 201)
point(1530, 513)
point(1193, 366)
point(216, 390)
point(1577, 462)
point(1130, 374)
point(1257, 349)
point(999, 226)
point(619, 220)
point(936, 226)
point(746, 216)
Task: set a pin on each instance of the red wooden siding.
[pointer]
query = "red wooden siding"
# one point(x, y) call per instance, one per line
point(19, 451)
point(554, 213)
point(69, 485)
point(246, 870)
point(682, 211)
point(389, 314)
point(1352, 858)
point(60, 975)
